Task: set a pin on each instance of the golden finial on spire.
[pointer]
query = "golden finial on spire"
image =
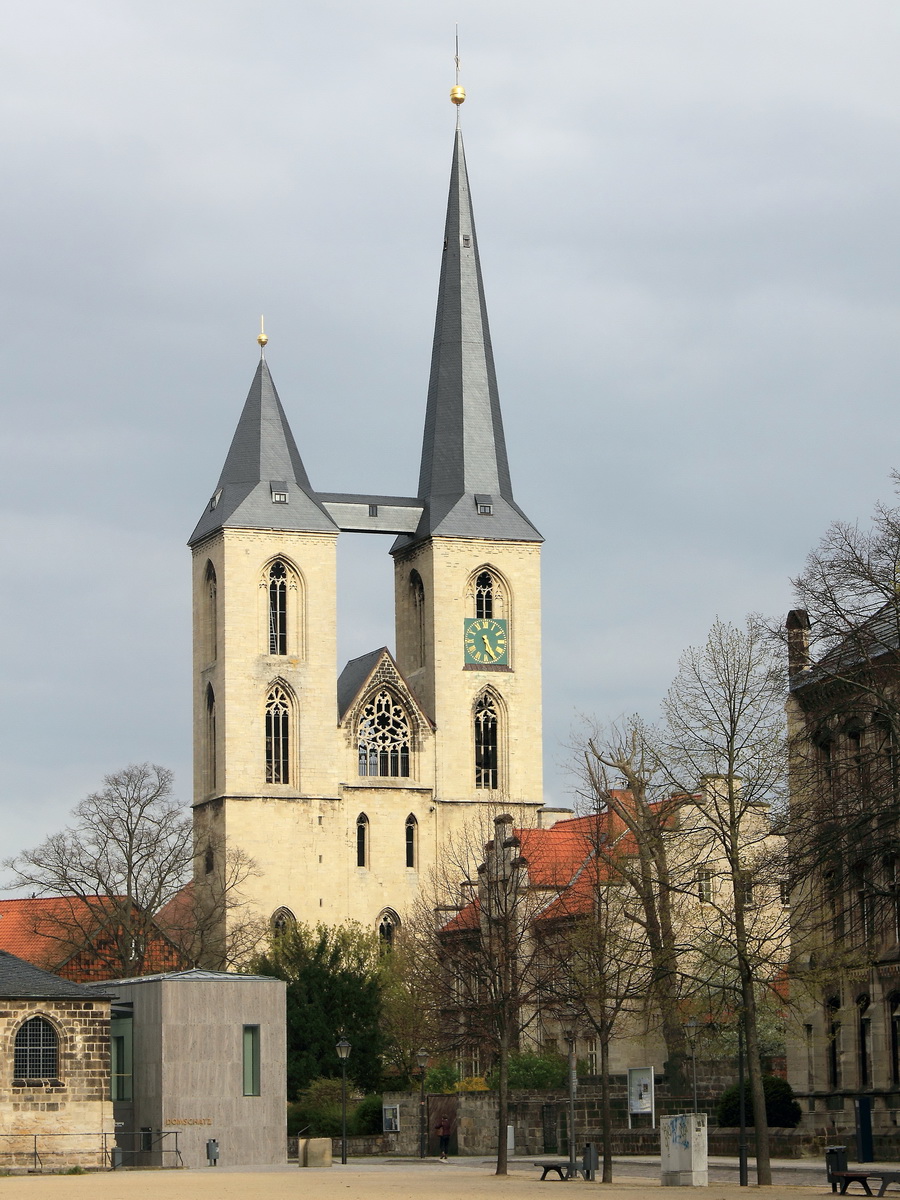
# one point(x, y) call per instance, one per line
point(457, 93)
point(262, 339)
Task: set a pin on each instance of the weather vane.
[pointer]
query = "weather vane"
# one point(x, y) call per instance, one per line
point(457, 93)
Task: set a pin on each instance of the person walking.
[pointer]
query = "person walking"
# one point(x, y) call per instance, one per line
point(442, 1129)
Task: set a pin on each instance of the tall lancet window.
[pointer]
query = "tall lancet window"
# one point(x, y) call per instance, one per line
point(484, 595)
point(412, 841)
point(210, 738)
point(212, 616)
point(383, 737)
point(278, 723)
point(278, 587)
point(362, 840)
point(417, 592)
point(486, 742)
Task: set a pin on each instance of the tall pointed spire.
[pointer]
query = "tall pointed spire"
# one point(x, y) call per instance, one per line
point(464, 480)
point(263, 484)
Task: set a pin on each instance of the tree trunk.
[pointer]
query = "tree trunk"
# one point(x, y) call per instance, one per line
point(757, 1095)
point(605, 1107)
point(502, 1100)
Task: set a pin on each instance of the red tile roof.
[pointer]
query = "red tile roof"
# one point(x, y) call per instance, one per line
point(44, 930)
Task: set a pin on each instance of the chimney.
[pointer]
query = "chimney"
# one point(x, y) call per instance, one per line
point(797, 626)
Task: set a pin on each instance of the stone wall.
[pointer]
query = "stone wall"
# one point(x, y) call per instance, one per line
point(68, 1115)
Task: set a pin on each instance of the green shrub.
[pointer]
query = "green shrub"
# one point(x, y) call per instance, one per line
point(367, 1116)
point(441, 1078)
point(532, 1071)
point(317, 1112)
point(781, 1107)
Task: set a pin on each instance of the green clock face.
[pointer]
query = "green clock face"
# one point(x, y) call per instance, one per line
point(485, 641)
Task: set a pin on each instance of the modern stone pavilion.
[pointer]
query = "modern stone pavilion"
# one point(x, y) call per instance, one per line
point(55, 1106)
point(203, 1054)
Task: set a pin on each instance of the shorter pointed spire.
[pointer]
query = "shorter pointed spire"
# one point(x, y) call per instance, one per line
point(263, 484)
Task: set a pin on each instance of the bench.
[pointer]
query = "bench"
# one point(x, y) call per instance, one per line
point(562, 1167)
point(843, 1179)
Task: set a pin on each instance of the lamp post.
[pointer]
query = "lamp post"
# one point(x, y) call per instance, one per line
point(422, 1057)
point(691, 1029)
point(343, 1051)
point(569, 1015)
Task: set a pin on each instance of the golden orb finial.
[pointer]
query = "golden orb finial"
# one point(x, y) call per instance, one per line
point(262, 339)
point(457, 94)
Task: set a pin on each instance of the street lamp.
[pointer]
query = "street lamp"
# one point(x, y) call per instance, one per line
point(691, 1029)
point(343, 1052)
point(422, 1058)
point(569, 1015)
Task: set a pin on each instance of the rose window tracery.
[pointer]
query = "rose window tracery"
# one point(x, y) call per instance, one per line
point(383, 737)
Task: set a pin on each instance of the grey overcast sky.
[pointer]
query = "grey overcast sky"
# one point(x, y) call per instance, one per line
point(687, 215)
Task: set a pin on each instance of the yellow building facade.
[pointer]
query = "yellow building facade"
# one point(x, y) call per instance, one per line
point(343, 787)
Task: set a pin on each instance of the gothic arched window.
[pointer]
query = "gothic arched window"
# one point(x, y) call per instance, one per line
point(212, 631)
point(36, 1053)
point(282, 921)
point(417, 589)
point(388, 924)
point(383, 737)
point(412, 841)
point(278, 585)
point(486, 742)
point(362, 840)
point(210, 738)
point(278, 721)
point(484, 595)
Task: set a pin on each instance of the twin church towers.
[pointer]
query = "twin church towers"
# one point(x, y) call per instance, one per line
point(344, 787)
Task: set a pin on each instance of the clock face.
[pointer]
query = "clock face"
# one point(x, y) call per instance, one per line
point(485, 641)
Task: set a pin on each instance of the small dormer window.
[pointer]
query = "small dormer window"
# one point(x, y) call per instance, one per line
point(373, 510)
point(279, 492)
point(467, 241)
point(484, 505)
point(216, 497)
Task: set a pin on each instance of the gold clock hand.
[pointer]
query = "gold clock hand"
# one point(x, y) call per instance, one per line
point(487, 645)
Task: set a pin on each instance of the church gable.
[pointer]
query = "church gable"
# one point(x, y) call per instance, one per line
point(370, 673)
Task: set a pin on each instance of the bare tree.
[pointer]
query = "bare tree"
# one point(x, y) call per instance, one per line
point(126, 857)
point(599, 955)
point(477, 941)
point(623, 783)
point(724, 726)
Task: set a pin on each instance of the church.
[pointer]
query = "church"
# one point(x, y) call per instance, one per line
point(343, 787)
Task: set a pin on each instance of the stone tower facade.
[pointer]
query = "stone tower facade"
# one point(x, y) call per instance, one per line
point(343, 789)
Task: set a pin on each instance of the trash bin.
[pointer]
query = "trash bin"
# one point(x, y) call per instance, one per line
point(589, 1161)
point(835, 1160)
point(212, 1152)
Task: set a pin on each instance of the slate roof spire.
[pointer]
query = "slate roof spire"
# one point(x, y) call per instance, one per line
point(263, 484)
point(464, 465)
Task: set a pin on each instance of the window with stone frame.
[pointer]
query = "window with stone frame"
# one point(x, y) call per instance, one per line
point(486, 595)
point(36, 1051)
point(278, 589)
point(417, 592)
point(278, 726)
point(212, 614)
point(388, 924)
point(411, 833)
point(362, 840)
point(383, 737)
point(210, 738)
point(282, 921)
point(486, 742)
